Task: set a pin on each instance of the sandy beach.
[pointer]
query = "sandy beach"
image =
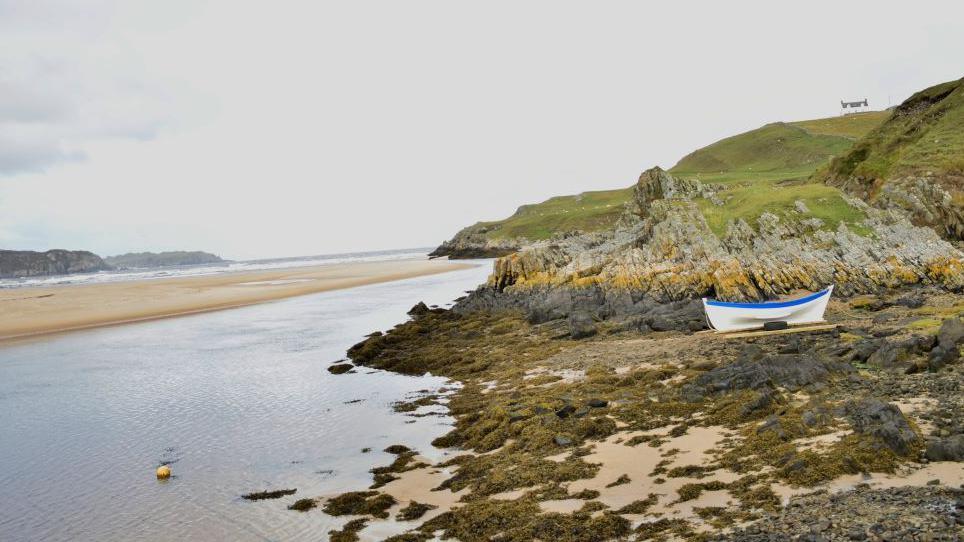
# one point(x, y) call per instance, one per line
point(35, 311)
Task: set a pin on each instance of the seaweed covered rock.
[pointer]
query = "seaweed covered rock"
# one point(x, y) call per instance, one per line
point(946, 449)
point(340, 368)
point(755, 370)
point(419, 309)
point(884, 421)
point(360, 503)
point(263, 495)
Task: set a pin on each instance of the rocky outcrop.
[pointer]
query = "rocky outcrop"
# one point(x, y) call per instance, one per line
point(663, 251)
point(472, 242)
point(913, 162)
point(884, 421)
point(667, 251)
point(25, 263)
point(161, 259)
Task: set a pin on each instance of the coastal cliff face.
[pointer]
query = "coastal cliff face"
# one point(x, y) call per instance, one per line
point(162, 259)
point(914, 161)
point(25, 263)
point(663, 251)
point(754, 160)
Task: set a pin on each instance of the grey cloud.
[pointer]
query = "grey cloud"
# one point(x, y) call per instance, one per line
point(19, 154)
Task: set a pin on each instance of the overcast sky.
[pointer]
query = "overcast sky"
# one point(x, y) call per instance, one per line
point(258, 129)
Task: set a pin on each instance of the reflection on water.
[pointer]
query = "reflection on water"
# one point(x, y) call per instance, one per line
point(237, 401)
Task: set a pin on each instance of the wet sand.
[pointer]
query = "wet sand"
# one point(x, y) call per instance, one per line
point(28, 312)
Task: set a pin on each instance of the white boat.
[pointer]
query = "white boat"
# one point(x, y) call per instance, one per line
point(727, 316)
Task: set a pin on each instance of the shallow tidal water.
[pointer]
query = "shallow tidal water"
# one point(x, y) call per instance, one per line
point(238, 401)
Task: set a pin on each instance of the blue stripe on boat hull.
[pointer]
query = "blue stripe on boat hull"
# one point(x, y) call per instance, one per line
point(769, 305)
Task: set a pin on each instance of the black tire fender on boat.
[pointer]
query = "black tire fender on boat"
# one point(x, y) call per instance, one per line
point(775, 326)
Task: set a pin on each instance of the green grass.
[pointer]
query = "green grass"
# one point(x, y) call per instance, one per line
point(768, 170)
point(749, 201)
point(774, 147)
point(758, 160)
point(853, 126)
point(924, 134)
point(589, 211)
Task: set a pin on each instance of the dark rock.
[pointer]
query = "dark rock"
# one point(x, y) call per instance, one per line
point(939, 358)
point(865, 348)
point(419, 309)
point(581, 325)
point(951, 333)
point(565, 411)
point(562, 441)
point(911, 301)
point(899, 355)
point(791, 346)
point(882, 420)
point(581, 412)
point(948, 449)
point(756, 371)
point(597, 403)
point(544, 304)
point(340, 368)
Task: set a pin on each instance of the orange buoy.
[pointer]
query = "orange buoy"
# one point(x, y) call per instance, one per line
point(163, 472)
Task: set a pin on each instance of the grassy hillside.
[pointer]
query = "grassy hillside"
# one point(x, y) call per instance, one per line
point(925, 134)
point(774, 147)
point(769, 169)
point(749, 164)
point(589, 211)
point(853, 126)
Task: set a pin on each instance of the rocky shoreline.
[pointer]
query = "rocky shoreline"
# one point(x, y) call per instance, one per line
point(595, 405)
point(675, 434)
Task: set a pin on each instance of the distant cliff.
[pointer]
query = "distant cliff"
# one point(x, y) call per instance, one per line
point(161, 259)
point(26, 263)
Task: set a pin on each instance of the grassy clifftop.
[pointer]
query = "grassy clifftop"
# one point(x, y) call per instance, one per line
point(588, 211)
point(925, 134)
point(767, 157)
point(913, 161)
point(769, 169)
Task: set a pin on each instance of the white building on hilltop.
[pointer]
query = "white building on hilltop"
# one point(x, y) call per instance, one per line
point(847, 108)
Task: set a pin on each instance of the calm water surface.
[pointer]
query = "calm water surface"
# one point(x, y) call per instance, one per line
point(239, 400)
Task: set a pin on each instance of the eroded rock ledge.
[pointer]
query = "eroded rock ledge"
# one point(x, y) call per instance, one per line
point(663, 251)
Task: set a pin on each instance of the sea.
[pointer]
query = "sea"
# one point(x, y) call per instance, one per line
point(236, 401)
point(226, 266)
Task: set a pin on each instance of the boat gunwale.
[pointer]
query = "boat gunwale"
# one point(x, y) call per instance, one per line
point(767, 304)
